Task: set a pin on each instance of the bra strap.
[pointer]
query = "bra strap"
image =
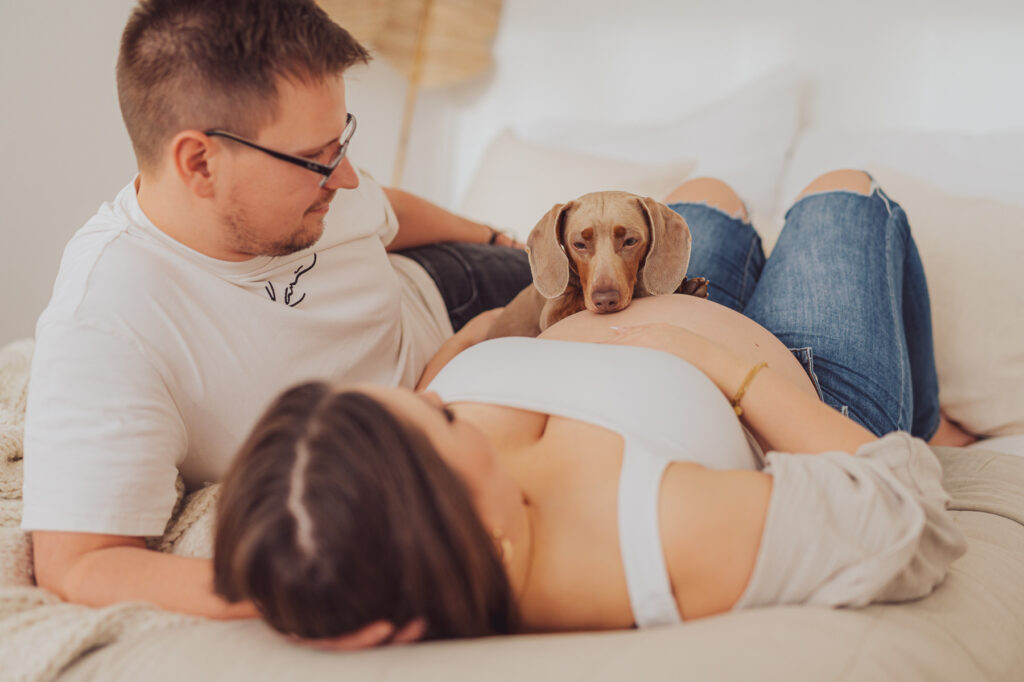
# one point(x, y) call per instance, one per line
point(650, 592)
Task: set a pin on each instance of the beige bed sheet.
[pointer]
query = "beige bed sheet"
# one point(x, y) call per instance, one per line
point(971, 628)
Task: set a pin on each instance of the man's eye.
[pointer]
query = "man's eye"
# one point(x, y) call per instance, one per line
point(325, 155)
point(330, 153)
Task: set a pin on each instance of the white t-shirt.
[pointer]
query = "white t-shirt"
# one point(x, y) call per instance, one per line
point(152, 358)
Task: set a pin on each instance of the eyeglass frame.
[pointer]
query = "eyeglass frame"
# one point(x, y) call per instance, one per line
point(325, 170)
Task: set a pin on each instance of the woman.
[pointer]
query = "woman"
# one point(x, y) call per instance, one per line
point(551, 484)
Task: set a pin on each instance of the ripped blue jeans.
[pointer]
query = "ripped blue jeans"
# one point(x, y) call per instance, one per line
point(844, 289)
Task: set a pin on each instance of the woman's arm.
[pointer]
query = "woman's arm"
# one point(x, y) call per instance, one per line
point(780, 414)
point(472, 333)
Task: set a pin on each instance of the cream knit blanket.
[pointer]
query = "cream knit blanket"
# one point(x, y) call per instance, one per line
point(40, 634)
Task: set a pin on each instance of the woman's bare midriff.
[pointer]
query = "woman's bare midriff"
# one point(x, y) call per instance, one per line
point(569, 469)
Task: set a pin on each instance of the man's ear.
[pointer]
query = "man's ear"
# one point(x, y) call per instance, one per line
point(195, 158)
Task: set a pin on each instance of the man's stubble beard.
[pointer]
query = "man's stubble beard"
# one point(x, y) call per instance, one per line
point(241, 238)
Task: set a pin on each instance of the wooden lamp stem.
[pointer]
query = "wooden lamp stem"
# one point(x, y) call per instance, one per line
point(412, 93)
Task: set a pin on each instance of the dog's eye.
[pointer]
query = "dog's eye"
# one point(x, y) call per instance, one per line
point(631, 241)
point(579, 246)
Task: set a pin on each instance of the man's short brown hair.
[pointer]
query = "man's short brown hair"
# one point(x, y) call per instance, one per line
point(197, 64)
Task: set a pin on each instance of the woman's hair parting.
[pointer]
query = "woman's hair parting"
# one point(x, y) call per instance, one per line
point(199, 64)
point(335, 514)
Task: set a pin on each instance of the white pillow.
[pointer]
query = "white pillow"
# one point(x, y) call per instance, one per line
point(983, 165)
point(518, 182)
point(972, 250)
point(742, 138)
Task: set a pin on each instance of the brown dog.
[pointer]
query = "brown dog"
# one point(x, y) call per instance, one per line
point(599, 252)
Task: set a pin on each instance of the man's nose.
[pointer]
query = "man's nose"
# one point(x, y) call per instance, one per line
point(343, 177)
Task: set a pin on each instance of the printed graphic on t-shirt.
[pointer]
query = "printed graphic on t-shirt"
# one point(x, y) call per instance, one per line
point(290, 296)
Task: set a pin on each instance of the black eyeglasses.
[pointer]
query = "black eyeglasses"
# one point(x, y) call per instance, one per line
point(308, 164)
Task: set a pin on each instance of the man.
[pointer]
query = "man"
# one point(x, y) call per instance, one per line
point(216, 279)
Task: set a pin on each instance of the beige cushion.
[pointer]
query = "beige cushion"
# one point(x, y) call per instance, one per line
point(743, 136)
point(518, 182)
point(972, 249)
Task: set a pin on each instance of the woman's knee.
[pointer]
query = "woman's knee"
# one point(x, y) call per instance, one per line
point(847, 179)
point(710, 191)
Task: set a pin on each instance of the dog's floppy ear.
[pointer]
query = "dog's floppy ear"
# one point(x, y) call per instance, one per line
point(548, 261)
point(669, 251)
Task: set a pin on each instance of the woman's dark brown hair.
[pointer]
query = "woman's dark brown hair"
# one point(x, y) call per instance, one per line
point(335, 514)
point(199, 64)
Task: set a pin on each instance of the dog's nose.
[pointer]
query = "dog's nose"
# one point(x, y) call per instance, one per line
point(606, 300)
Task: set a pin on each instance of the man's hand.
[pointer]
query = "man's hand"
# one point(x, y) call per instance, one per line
point(505, 238)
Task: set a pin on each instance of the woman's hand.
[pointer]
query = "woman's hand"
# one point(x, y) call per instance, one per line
point(375, 634)
point(719, 364)
point(679, 341)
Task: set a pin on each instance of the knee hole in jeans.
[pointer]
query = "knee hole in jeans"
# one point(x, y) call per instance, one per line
point(848, 180)
point(710, 192)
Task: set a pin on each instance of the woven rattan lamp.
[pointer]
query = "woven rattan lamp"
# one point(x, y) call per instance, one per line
point(434, 43)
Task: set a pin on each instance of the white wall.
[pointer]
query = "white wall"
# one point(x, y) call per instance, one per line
point(874, 64)
point(889, 64)
point(63, 148)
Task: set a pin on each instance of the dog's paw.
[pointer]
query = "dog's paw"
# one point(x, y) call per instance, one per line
point(694, 286)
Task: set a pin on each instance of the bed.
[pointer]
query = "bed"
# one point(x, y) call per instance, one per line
point(962, 193)
point(970, 628)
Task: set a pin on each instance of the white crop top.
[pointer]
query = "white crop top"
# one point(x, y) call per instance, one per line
point(664, 408)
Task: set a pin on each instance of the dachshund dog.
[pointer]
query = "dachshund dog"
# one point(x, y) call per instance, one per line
point(598, 252)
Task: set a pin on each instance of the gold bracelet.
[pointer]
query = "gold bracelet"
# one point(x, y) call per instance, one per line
point(743, 388)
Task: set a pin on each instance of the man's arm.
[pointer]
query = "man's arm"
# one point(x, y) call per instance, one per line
point(96, 404)
point(421, 222)
point(97, 570)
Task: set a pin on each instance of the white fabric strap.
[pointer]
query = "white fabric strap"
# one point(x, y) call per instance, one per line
point(650, 592)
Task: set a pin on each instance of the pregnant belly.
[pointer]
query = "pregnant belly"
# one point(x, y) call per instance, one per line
point(717, 322)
